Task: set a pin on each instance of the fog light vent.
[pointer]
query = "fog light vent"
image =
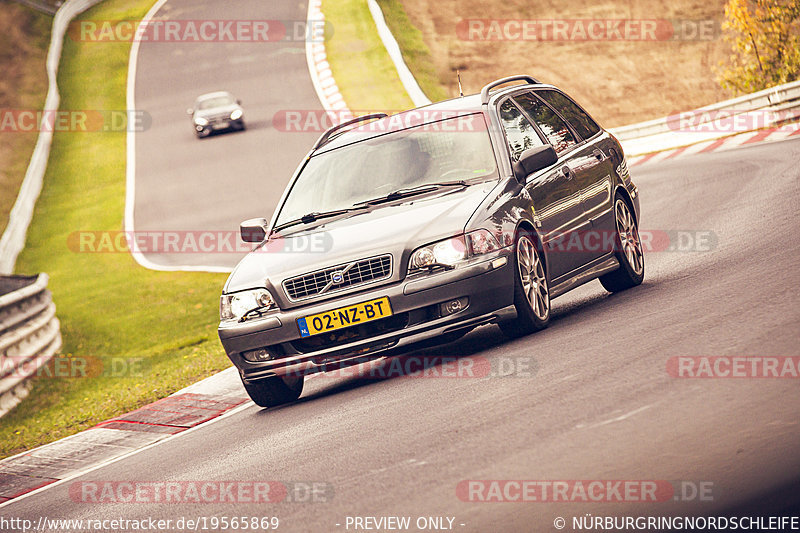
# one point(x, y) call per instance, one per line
point(257, 356)
point(453, 306)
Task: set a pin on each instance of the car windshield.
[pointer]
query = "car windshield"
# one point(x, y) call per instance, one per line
point(216, 101)
point(429, 153)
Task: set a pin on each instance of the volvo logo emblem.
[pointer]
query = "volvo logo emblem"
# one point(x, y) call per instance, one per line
point(337, 276)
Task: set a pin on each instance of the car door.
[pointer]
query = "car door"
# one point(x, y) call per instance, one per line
point(556, 201)
point(594, 159)
point(586, 165)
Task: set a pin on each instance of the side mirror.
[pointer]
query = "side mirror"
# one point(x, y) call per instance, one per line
point(238, 101)
point(189, 111)
point(253, 230)
point(534, 159)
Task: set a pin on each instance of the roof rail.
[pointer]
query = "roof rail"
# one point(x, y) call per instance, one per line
point(329, 133)
point(503, 81)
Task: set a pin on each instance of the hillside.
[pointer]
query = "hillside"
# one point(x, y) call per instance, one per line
point(619, 81)
point(24, 37)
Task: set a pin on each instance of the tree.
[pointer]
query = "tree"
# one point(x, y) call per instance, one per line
point(765, 41)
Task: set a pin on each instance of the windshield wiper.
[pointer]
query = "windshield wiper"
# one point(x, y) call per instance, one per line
point(308, 218)
point(411, 191)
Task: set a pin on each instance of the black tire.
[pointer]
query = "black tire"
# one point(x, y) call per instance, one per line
point(531, 315)
point(627, 249)
point(271, 392)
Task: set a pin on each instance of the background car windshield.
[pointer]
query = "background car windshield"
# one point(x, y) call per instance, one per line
point(217, 101)
point(369, 169)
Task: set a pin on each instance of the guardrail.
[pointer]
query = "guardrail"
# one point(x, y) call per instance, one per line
point(768, 108)
point(29, 335)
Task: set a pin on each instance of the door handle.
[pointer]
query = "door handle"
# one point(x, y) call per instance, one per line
point(567, 172)
point(599, 154)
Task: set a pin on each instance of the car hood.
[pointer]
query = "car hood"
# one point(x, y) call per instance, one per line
point(213, 111)
point(396, 229)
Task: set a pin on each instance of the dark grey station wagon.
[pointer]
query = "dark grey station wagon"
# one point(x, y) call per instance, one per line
point(431, 222)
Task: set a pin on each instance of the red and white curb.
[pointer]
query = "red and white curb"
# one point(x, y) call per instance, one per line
point(120, 436)
point(318, 66)
point(749, 137)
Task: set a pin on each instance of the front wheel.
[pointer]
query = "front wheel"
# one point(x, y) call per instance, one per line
point(531, 290)
point(627, 249)
point(274, 391)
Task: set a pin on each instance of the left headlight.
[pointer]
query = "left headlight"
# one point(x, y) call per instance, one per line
point(238, 304)
point(200, 121)
point(236, 114)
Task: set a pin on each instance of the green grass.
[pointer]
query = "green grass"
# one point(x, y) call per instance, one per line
point(110, 308)
point(416, 54)
point(359, 62)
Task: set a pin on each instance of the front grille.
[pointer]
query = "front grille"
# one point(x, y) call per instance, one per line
point(338, 277)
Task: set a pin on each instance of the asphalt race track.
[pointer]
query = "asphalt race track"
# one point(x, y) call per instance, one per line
point(198, 185)
point(590, 398)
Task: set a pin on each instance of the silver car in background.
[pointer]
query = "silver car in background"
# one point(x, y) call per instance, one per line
point(217, 111)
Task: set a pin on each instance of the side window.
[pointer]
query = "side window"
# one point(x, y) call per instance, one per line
point(577, 117)
point(553, 126)
point(520, 132)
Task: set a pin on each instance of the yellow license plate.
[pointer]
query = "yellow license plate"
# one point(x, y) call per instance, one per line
point(344, 317)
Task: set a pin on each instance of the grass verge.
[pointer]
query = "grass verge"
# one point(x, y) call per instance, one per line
point(24, 38)
point(140, 334)
point(416, 53)
point(359, 62)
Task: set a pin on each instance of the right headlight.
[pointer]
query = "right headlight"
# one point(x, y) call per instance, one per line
point(236, 305)
point(200, 121)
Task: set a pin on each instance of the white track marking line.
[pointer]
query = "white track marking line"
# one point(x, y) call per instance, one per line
point(612, 420)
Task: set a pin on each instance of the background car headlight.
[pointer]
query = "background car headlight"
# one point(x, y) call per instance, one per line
point(234, 306)
point(200, 121)
point(236, 114)
point(446, 253)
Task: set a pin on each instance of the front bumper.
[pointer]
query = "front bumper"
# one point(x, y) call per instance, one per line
point(219, 125)
point(488, 285)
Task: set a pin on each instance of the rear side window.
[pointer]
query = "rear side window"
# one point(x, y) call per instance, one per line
point(554, 128)
point(520, 132)
point(577, 117)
